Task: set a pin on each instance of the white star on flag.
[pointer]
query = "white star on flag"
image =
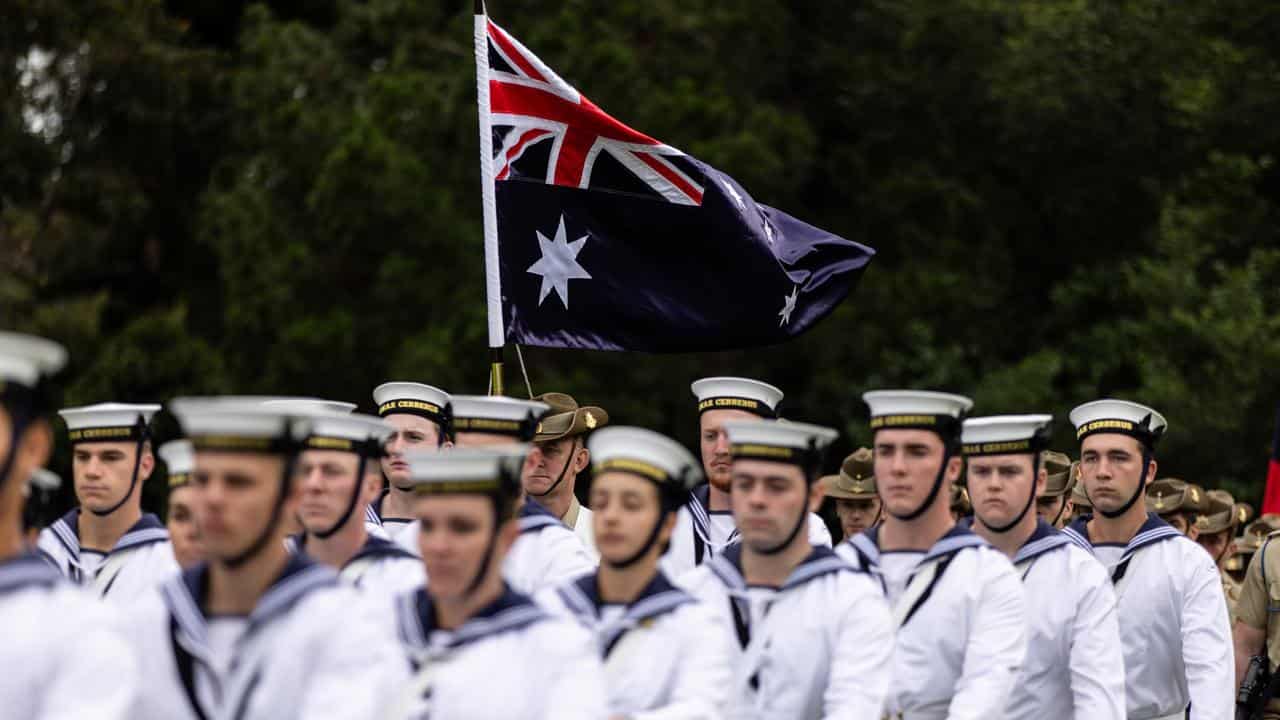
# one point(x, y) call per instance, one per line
point(788, 306)
point(559, 264)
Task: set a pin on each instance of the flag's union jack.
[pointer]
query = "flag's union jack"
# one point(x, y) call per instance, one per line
point(564, 139)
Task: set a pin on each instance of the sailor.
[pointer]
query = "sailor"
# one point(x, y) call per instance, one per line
point(1054, 503)
point(107, 543)
point(814, 636)
point(665, 654)
point(559, 453)
point(937, 574)
point(477, 647)
point(854, 492)
point(1215, 531)
point(1173, 617)
point(1075, 665)
point(63, 654)
point(1178, 502)
point(256, 633)
point(180, 520)
point(338, 476)
point(705, 527)
point(420, 414)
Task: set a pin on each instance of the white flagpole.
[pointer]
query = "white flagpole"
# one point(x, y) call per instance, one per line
point(493, 278)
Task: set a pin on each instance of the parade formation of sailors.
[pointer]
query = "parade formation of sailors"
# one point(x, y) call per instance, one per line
point(481, 557)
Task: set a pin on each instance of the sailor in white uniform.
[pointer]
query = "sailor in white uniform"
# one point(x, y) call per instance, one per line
point(1173, 614)
point(478, 648)
point(257, 633)
point(108, 544)
point(559, 453)
point(338, 476)
point(63, 655)
point(957, 603)
point(547, 553)
point(180, 521)
point(420, 415)
point(665, 654)
point(1075, 664)
point(704, 527)
point(813, 635)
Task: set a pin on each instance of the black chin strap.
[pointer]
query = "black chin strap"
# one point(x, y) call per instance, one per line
point(482, 572)
point(1035, 477)
point(573, 448)
point(351, 502)
point(947, 453)
point(286, 482)
point(143, 435)
point(1061, 509)
point(17, 427)
point(1137, 495)
point(804, 514)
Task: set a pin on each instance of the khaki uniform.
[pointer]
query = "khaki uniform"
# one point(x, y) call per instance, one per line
point(1060, 482)
point(1256, 602)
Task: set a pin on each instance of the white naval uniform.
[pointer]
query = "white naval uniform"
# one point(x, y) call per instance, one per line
point(512, 660)
point(700, 534)
point(1173, 623)
point(962, 627)
point(819, 646)
point(310, 650)
point(582, 527)
point(380, 568)
point(546, 553)
point(387, 527)
point(141, 560)
point(1075, 664)
point(63, 654)
point(666, 655)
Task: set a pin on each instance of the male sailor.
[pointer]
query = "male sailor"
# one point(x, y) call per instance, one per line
point(1173, 616)
point(704, 527)
point(957, 603)
point(814, 636)
point(180, 520)
point(257, 633)
point(107, 543)
point(1075, 665)
point(420, 415)
point(338, 475)
point(1054, 503)
point(62, 654)
point(478, 648)
point(559, 453)
point(665, 654)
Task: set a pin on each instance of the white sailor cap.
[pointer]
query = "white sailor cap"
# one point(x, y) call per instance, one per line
point(308, 405)
point(231, 425)
point(1005, 434)
point(357, 433)
point(491, 471)
point(412, 398)
point(45, 480)
point(24, 359)
point(917, 410)
point(1119, 417)
point(645, 453)
point(180, 459)
point(108, 422)
point(735, 393)
point(497, 415)
point(779, 441)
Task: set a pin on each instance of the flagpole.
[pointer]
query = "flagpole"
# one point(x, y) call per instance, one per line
point(493, 279)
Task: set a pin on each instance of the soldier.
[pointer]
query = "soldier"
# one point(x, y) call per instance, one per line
point(255, 632)
point(854, 492)
point(961, 505)
point(814, 637)
point(1215, 531)
point(63, 655)
point(559, 453)
point(937, 574)
point(665, 654)
point(479, 648)
point(180, 520)
point(705, 527)
point(1054, 503)
point(1081, 505)
point(1178, 503)
point(1074, 666)
point(420, 415)
point(108, 543)
point(338, 476)
point(1173, 618)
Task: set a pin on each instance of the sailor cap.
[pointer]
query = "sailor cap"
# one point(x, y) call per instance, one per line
point(180, 459)
point(1005, 434)
point(411, 398)
point(917, 410)
point(24, 359)
point(645, 453)
point(45, 480)
point(779, 441)
point(468, 471)
point(1118, 417)
point(497, 415)
point(735, 393)
point(308, 405)
point(108, 422)
point(231, 425)
point(361, 434)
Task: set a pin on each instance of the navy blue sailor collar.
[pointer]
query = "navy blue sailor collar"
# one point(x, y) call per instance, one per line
point(819, 562)
point(582, 596)
point(146, 531)
point(184, 595)
point(374, 547)
point(416, 619)
point(1153, 530)
point(1046, 538)
point(534, 517)
point(959, 537)
point(27, 570)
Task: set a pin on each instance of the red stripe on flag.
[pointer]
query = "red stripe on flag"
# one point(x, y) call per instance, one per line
point(512, 53)
point(674, 178)
point(1271, 498)
point(518, 149)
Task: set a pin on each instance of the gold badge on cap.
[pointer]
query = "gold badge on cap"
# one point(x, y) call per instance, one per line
point(1160, 502)
point(1195, 495)
point(591, 421)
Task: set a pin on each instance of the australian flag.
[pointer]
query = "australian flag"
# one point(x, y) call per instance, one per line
point(611, 240)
